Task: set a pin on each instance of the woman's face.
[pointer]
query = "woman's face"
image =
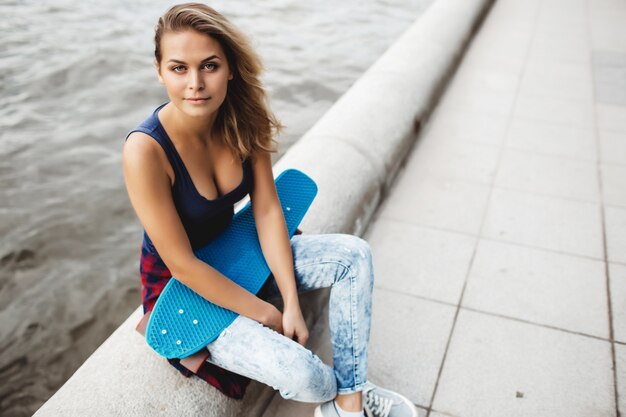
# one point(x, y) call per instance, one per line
point(194, 71)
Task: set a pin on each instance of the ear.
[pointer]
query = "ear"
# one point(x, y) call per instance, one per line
point(158, 70)
point(230, 76)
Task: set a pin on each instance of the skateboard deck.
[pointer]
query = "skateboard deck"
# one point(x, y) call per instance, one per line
point(182, 322)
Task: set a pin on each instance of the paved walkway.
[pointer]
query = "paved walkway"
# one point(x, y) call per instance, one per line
point(500, 253)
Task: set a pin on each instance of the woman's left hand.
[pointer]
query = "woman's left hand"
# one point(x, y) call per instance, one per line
point(294, 326)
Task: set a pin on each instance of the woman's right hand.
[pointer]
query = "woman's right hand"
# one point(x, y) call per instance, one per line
point(272, 318)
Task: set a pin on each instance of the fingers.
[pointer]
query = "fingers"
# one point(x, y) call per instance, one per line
point(302, 339)
point(301, 334)
point(288, 332)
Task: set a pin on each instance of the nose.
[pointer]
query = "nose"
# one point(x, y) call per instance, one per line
point(194, 81)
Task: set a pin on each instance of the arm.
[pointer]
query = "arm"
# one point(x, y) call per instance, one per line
point(149, 190)
point(276, 245)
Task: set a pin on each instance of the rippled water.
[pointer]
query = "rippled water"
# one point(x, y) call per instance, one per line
point(74, 78)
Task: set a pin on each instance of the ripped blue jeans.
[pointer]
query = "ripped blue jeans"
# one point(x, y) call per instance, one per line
point(342, 262)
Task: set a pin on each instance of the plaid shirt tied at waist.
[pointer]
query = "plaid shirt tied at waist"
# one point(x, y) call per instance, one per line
point(154, 277)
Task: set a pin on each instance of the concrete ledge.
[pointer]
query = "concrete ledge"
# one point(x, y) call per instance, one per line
point(125, 377)
point(353, 153)
point(355, 150)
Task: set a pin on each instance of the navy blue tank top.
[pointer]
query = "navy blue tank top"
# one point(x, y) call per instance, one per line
point(202, 218)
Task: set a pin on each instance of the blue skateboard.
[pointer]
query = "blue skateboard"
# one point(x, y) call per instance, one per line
point(182, 322)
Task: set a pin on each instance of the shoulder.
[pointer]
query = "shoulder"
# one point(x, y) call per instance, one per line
point(143, 154)
point(139, 143)
point(141, 148)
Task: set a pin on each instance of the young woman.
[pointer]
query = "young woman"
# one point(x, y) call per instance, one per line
point(185, 167)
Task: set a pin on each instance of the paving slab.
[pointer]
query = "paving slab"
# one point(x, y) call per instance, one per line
point(553, 11)
point(499, 367)
point(545, 222)
point(490, 102)
point(471, 76)
point(512, 10)
point(505, 62)
point(612, 146)
point(615, 219)
point(552, 139)
point(606, 23)
point(441, 203)
point(467, 126)
point(560, 86)
point(564, 291)
point(555, 49)
point(408, 341)
point(570, 30)
point(420, 261)
point(611, 117)
point(482, 57)
point(447, 158)
point(282, 408)
point(553, 70)
point(502, 38)
point(437, 414)
point(577, 113)
point(609, 71)
point(549, 175)
point(614, 184)
point(599, 5)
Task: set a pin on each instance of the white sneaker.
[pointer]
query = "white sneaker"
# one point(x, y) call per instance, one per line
point(377, 402)
point(380, 402)
point(326, 409)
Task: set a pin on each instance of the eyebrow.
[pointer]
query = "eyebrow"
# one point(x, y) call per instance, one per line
point(204, 60)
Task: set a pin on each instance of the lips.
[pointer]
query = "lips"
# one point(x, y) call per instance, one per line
point(197, 98)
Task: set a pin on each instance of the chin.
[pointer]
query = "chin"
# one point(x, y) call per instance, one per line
point(197, 111)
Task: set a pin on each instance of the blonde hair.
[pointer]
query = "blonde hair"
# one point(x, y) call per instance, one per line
point(244, 118)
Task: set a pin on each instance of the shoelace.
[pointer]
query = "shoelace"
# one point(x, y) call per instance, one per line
point(377, 405)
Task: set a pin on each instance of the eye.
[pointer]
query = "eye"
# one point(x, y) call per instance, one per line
point(211, 66)
point(178, 68)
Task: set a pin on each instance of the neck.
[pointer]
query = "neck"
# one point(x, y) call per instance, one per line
point(190, 129)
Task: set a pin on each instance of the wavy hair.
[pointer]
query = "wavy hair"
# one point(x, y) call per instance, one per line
point(244, 118)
